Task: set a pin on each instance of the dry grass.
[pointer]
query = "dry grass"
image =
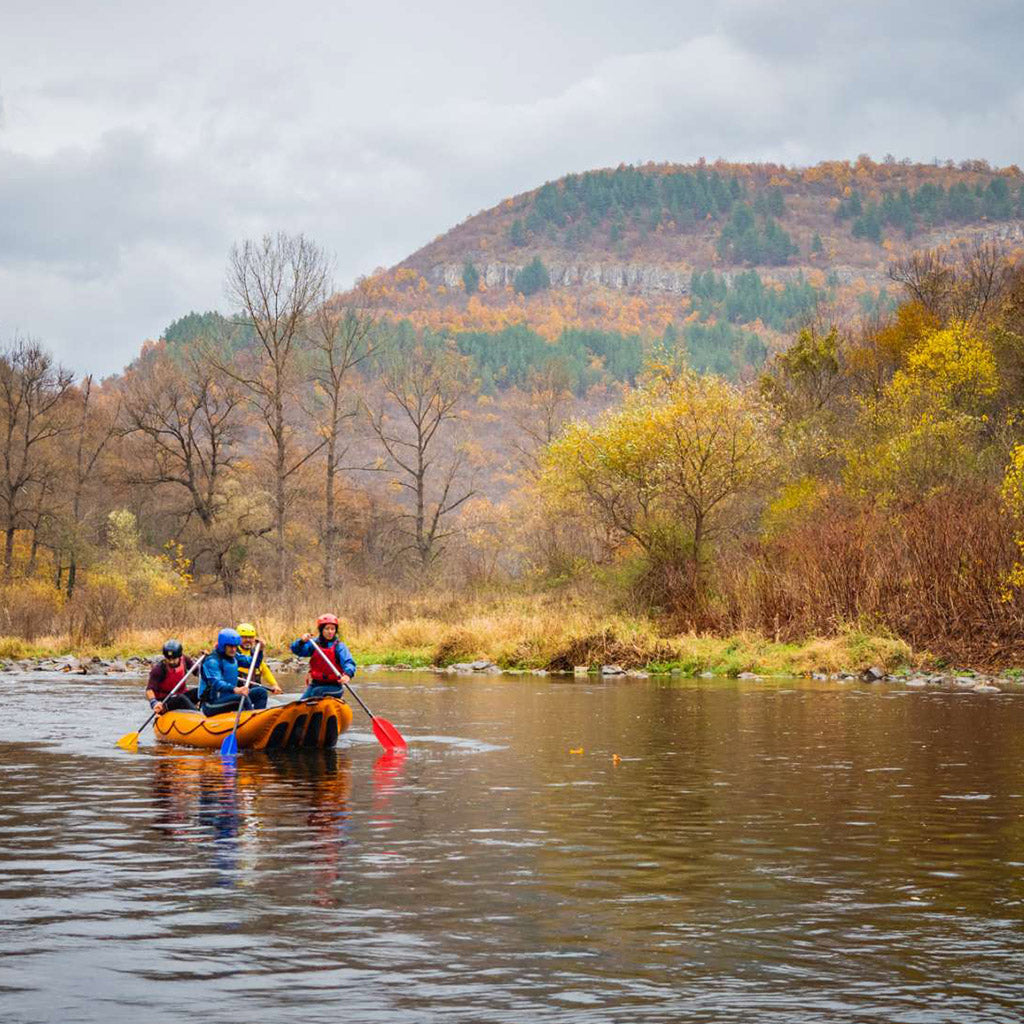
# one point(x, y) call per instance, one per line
point(515, 630)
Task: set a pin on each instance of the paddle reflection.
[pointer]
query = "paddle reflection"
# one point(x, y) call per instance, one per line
point(387, 774)
point(229, 806)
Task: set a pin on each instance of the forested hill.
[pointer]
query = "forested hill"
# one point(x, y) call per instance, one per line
point(721, 258)
point(730, 215)
point(715, 264)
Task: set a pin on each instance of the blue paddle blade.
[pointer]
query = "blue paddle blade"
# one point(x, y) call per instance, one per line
point(229, 748)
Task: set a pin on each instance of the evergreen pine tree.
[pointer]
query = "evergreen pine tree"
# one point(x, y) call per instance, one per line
point(470, 277)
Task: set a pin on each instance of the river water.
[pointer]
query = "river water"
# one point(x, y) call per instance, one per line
point(683, 850)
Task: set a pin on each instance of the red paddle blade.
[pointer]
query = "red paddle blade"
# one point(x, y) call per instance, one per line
point(388, 735)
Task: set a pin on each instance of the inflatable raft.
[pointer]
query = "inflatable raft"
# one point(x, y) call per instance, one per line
point(302, 723)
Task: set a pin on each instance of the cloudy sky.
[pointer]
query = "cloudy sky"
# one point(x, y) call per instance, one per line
point(139, 139)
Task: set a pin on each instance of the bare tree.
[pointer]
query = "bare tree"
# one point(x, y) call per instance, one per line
point(187, 418)
point(540, 412)
point(277, 282)
point(95, 432)
point(926, 276)
point(341, 339)
point(32, 392)
point(423, 384)
point(963, 285)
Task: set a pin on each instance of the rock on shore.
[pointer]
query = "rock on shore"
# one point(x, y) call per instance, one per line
point(964, 680)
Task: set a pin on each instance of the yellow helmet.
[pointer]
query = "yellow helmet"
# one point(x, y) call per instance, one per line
point(246, 629)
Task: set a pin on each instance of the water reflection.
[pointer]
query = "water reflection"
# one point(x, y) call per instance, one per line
point(231, 808)
point(778, 853)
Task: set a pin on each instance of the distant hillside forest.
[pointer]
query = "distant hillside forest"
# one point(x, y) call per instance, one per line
point(612, 203)
point(716, 337)
point(720, 261)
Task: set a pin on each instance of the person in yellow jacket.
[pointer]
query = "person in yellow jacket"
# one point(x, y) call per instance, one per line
point(247, 631)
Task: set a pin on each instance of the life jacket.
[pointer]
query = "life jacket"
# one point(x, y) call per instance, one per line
point(247, 653)
point(319, 673)
point(217, 678)
point(172, 675)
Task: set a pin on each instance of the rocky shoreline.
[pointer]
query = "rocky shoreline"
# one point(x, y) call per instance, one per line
point(959, 679)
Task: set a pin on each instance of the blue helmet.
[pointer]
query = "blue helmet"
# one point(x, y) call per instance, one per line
point(228, 637)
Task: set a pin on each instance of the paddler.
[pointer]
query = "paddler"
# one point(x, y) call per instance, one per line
point(247, 631)
point(165, 675)
point(322, 681)
point(220, 688)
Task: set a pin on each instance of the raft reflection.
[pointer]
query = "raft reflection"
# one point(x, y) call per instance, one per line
point(229, 806)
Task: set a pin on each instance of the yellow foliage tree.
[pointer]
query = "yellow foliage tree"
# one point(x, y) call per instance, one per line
point(928, 429)
point(665, 468)
point(125, 580)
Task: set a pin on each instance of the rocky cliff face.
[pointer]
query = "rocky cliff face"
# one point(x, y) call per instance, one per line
point(654, 278)
point(642, 278)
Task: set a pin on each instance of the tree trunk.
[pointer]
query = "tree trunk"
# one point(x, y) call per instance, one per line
point(698, 543)
point(9, 549)
point(33, 555)
point(329, 527)
point(279, 497)
point(421, 541)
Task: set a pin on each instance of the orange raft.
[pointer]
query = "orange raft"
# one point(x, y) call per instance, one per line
point(302, 723)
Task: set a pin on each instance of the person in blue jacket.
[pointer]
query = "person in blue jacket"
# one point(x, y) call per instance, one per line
point(322, 681)
point(220, 688)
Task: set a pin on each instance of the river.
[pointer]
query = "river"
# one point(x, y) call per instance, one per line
point(548, 850)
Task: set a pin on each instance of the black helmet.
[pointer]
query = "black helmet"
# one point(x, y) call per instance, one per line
point(172, 649)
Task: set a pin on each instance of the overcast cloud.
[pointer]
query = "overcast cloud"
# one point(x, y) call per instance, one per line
point(138, 141)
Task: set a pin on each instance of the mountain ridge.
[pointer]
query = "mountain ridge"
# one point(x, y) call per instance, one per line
point(620, 249)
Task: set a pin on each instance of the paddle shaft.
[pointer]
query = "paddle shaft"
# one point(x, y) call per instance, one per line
point(334, 668)
point(181, 683)
point(243, 697)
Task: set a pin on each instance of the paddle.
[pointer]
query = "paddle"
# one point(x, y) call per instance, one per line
point(385, 732)
point(229, 748)
point(130, 740)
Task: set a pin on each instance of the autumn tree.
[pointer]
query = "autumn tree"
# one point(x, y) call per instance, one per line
point(342, 338)
point(666, 468)
point(964, 285)
point(96, 428)
point(183, 421)
point(929, 429)
point(539, 411)
point(808, 385)
point(423, 381)
point(278, 282)
point(33, 414)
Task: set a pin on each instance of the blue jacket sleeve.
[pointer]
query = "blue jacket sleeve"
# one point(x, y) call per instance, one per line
point(302, 648)
point(348, 663)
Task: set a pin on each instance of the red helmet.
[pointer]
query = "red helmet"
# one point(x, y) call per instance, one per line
point(326, 620)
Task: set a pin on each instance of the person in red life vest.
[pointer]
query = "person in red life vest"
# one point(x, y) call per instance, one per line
point(164, 676)
point(321, 681)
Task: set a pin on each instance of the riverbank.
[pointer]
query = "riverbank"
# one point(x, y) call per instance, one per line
point(517, 638)
point(518, 635)
point(515, 629)
point(95, 667)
